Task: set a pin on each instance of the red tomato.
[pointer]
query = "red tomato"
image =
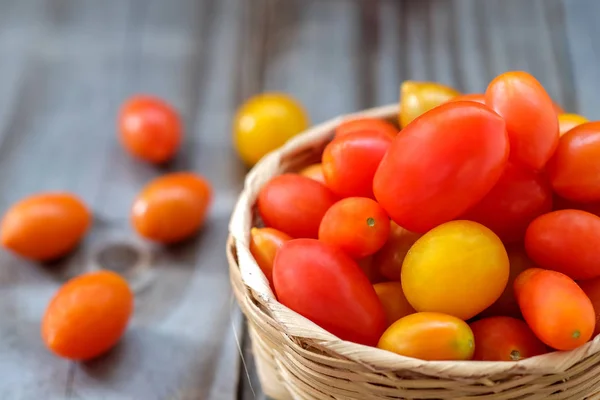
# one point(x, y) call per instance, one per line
point(518, 198)
point(440, 165)
point(391, 256)
point(373, 125)
point(326, 286)
point(476, 97)
point(531, 120)
point(566, 241)
point(350, 161)
point(357, 225)
point(574, 171)
point(264, 244)
point(555, 308)
point(294, 204)
point(150, 129)
point(591, 287)
point(505, 339)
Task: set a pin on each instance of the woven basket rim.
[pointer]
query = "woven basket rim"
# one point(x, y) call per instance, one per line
point(295, 325)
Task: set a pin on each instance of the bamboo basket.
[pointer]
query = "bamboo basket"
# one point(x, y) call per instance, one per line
point(296, 359)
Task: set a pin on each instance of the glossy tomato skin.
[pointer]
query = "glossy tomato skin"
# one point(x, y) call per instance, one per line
point(392, 254)
point(365, 124)
point(566, 122)
point(45, 226)
point(441, 165)
point(531, 119)
point(556, 309)
point(519, 196)
point(505, 339)
point(591, 287)
point(393, 300)
point(573, 172)
point(315, 172)
point(326, 286)
point(416, 98)
point(566, 241)
point(294, 204)
point(172, 207)
point(150, 128)
point(356, 225)
point(350, 161)
point(264, 244)
point(429, 336)
point(88, 315)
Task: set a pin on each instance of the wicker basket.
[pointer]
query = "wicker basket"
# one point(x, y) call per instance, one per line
point(296, 359)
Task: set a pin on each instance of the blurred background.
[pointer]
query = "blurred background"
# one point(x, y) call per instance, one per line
point(67, 65)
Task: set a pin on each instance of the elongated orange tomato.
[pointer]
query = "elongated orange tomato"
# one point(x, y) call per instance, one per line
point(314, 172)
point(591, 287)
point(88, 315)
point(264, 244)
point(476, 97)
point(556, 309)
point(45, 226)
point(393, 300)
point(374, 125)
point(429, 336)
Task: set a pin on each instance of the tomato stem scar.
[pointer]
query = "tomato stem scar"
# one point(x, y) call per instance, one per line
point(371, 221)
point(515, 355)
point(576, 334)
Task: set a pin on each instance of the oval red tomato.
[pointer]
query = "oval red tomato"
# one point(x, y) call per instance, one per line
point(326, 286)
point(294, 204)
point(566, 241)
point(518, 198)
point(440, 165)
point(530, 117)
point(574, 169)
point(350, 161)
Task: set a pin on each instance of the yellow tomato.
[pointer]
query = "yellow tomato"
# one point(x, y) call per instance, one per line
point(566, 122)
point(394, 302)
point(417, 98)
point(429, 336)
point(458, 268)
point(264, 123)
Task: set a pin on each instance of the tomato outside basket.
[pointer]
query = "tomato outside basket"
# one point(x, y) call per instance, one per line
point(296, 359)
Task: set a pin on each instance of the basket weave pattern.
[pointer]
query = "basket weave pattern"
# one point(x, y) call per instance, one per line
point(296, 359)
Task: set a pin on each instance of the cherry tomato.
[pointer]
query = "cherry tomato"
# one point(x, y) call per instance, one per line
point(391, 256)
point(264, 123)
point(350, 161)
point(88, 315)
point(373, 125)
point(264, 244)
point(150, 129)
point(326, 286)
point(476, 97)
point(566, 241)
point(530, 117)
point(314, 172)
point(505, 339)
point(429, 336)
point(172, 207)
point(591, 287)
point(393, 300)
point(294, 204)
point(566, 122)
point(416, 98)
point(357, 225)
point(573, 170)
point(441, 165)
point(507, 304)
point(45, 226)
point(555, 308)
point(455, 261)
point(519, 196)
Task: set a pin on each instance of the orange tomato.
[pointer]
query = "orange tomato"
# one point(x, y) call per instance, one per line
point(264, 243)
point(314, 172)
point(394, 302)
point(557, 108)
point(416, 98)
point(88, 315)
point(366, 124)
point(505, 339)
point(566, 122)
point(150, 128)
point(429, 336)
point(591, 287)
point(45, 226)
point(507, 304)
point(453, 262)
point(556, 309)
point(172, 207)
point(392, 254)
point(476, 97)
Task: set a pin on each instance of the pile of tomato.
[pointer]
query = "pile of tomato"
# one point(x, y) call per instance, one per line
point(471, 233)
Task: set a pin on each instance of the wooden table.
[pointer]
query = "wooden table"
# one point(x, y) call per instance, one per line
point(65, 67)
